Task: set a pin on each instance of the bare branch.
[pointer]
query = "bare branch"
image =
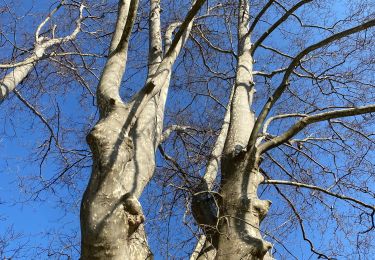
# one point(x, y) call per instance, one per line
point(37, 32)
point(22, 69)
point(269, 120)
point(313, 187)
point(295, 62)
point(178, 128)
point(277, 23)
point(260, 14)
point(300, 221)
point(154, 85)
point(307, 120)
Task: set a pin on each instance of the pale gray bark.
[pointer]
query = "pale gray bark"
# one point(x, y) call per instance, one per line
point(21, 69)
point(241, 210)
point(238, 134)
point(124, 141)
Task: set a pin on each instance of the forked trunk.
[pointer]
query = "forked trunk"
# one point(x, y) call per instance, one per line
point(110, 213)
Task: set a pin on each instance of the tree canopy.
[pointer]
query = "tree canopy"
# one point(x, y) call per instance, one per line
point(204, 111)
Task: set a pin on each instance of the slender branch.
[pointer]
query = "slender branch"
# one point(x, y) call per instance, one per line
point(211, 45)
point(269, 120)
point(276, 51)
point(37, 32)
point(260, 14)
point(177, 166)
point(277, 23)
point(269, 74)
point(307, 120)
point(300, 221)
point(295, 62)
point(22, 69)
point(51, 42)
point(178, 128)
point(313, 187)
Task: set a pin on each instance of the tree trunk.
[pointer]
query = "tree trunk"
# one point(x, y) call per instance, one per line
point(241, 211)
point(110, 212)
point(124, 140)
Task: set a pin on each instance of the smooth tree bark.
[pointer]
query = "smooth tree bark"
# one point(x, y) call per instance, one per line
point(125, 138)
point(124, 142)
point(20, 70)
point(232, 228)
point(241, 211)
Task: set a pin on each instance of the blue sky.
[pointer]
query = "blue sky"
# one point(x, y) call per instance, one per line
point(21, 133)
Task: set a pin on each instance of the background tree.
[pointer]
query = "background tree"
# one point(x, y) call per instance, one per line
point(298, 123)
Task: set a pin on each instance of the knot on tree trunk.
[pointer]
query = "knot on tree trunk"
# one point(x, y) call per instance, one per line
point(259, 207)
point(109, 145)
point(134, 212)
point(259, 247)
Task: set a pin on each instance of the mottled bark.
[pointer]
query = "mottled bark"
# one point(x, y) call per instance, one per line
point(9, 83)
point(124, 141)
point(241, 211)
point(110, 212)
point(21, 70)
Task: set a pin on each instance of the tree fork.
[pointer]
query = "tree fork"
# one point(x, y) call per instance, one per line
point(110, 214)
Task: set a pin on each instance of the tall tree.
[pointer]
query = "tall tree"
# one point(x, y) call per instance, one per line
point(297, 80)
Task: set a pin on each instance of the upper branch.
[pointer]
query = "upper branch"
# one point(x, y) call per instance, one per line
point(313, 187)
point(153, 86)
point(294, 63)
point(260, 14)
point(23, 68)
point(307, 120)
point(155, 42)
point(277, 23)
point(37, 32)
point(185, 24)
point(108, 89)
point(70, 37)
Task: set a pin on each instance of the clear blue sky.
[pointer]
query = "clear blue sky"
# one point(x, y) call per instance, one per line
point(18, 136)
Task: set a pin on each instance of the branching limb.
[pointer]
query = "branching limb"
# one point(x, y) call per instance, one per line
point(269, 74)
point(174, 128)
point(307, 120)
point(295, 62)
point(259, 15)
point(41, 25)
point(108, 94)
point(277, 24)
point(154, 85)
point(326, 191)
point(300, 221)
point(22, 69)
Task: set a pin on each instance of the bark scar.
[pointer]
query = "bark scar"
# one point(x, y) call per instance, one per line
point(134, 211)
